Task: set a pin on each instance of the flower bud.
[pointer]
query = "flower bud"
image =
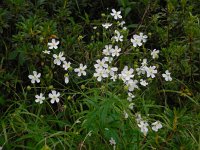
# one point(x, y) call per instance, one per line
point(82, 87)
point(28, 88)
point(103, 15)
point(69, 97)
point(50, 87)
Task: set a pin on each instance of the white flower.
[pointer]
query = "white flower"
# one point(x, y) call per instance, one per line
point(144, 62)
point(35, 77)
point(39, 98)
point(124, 28)
point(130, 97)
point(81, 70)
point(143, 82)
point(122, 23)
point(151, 71)
point(154, 53)
point(46, 52)
point(167, 76)
point(118, 37)
point(66, 78)
point(101, 64)
point(115, 52)
point(95, 27)
point(66, 65)
point(138, 117)
point(53, 44)
point(141, 70)
point(116, 14)
point(156, 125)
point(143, 37)
point(100, 73)
point(54, 96)
point(108, 59)
point(107, 25)
point(131, 105)
point(143, 127)
point(136, 40)
point(114, 77)
point(126, 74)
point(125, 114)
point(112, 141)
point(107, 50)
point(132, 84)
point(111, 70)
point(58, 58)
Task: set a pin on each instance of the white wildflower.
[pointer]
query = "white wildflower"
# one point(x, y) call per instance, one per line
point(116, 14)
point(35, 77)
point(81, 70)
point(167, 76)
point(54, 96)
point(53, 44)
point(156, 125)
point(39, 98)
point(58, 58)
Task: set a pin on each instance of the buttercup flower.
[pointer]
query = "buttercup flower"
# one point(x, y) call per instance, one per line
point(167, 76)
point(53, 44)
point(39, 98)
point(54, 96)
point(35, 77)
point(156, 125)
point(107, 25)
point(58, 58)
point(81, 70)
point(116, 14)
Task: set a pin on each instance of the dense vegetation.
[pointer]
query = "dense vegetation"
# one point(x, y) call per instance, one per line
point(95, 114)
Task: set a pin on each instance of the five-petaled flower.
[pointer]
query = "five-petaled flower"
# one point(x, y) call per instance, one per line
point(107, 25)
point(58, 58)
point(116, 14)
point(53, 44)
point(156, 125)
point(154, 54)
point(81, 70)
point(39, 98)
point(35, 77)
point(54, 96)
point(167, 76)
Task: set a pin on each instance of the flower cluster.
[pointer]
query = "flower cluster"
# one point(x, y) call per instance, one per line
point(132, 78)
point(143, 124)
point(58, 60)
